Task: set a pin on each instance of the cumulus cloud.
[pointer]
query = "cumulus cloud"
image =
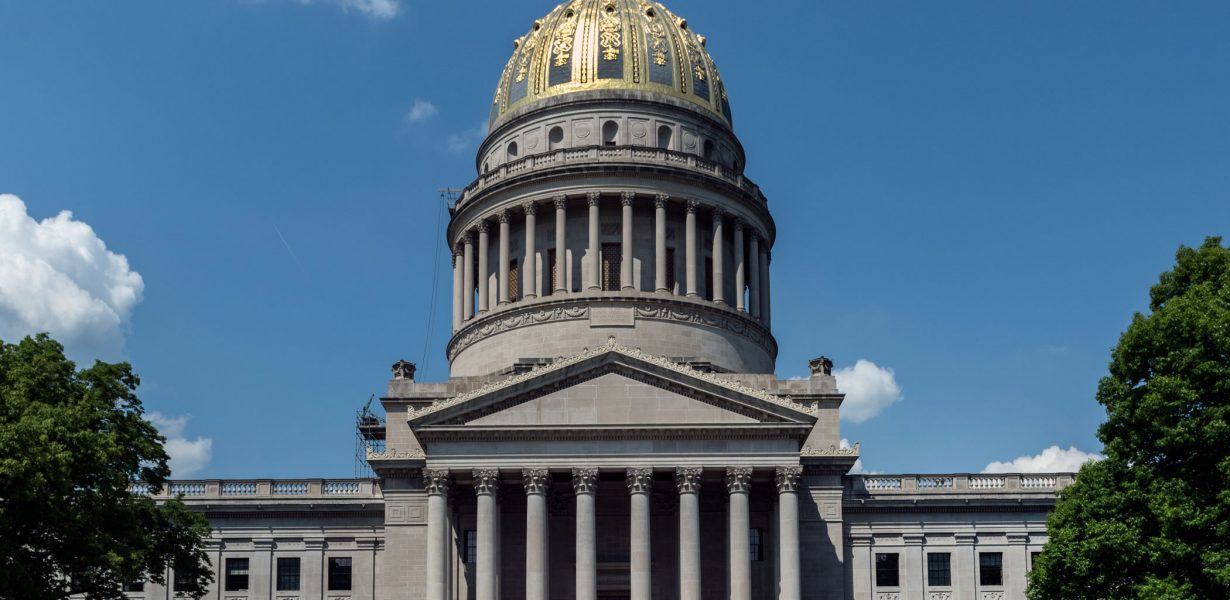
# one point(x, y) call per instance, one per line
point(421, 110)
point(459, 142)
point(57, 276)
point(187, 456)
point(1051, 460)
point(869, 389)
point(380, 10)
point(857, 469)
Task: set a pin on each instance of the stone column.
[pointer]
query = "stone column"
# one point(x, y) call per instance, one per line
point(562, 264)
point(484, 289)
point(787, 480)
point(537, 483)
point(585, 483)
point(595, 247)
point(753, 259)
point(468, 277)
point(640, 486)
point(719, 258)
point(738, 483)
point(487, 488)
point(625, 259)
point(740, 267)
point(659, 242)
point(689, 252)
point(458, 286)
point(505, 256)
point(529, 269)
point(687, 480)
point(764, 283)
point(437, 483)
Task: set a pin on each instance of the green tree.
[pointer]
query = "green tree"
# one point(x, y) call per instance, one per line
point(71, 443)
point(1152, 520)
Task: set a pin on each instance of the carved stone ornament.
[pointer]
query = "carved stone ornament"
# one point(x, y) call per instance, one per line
point(888, 596)
point(659, 200)
point(787, 479)
point(992, 596)
point(830, 450)
point(693, 206)
point(530, 208)
point(939, 595)
point(403, 370)
point(820, 366)
point(687, 479)
point(437, 481)
point(592, 198)
point(585, 480)
point(394, 454)
point(483, 226)
point(640, 480)
point(626, 198)
point(718, 216)
point(536, 481)
point(738, 479)
point(486, 481)
point(502, 216)
point(561, 201)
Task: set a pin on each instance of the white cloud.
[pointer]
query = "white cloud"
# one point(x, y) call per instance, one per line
point(1051, 460)
point(459, 142)
point(187, 456)
point(857, 469)
point(57, 276)
point(421, 110)
point(381, 10)
point(869, 389)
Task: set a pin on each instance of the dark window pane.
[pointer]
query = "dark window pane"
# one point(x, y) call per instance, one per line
point(288, 574)
point(339, 573)
point(756, 544)
point(1033, 559)
point(236, 574)
point(471, 555)
point(670, 269)
point(991, 568)
point(135, 587)
point(886, 570)
point(180, 582)
point(611, 257)
point(514, 280)
point(939, 568)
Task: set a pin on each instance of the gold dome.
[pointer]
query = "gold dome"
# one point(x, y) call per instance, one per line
point(623, 45)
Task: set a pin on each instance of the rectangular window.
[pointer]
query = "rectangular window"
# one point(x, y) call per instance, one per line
point(1033, 559)
point(288, 574)
point(670, 270)
point(514, 281)
point(611, 259)
point(709, 278)
point(886, 570)
point(939, 569)
point(991, 568)
point(339, 573)
point(756, 543)
point(180, 583)
point(471, 546)
point(135, 587)
point(236, 574)
point(554, 276)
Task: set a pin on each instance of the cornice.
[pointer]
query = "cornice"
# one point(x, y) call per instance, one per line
point(432, 433)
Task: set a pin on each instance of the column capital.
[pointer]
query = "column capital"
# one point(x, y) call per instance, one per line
point(640, 480)
point(787, 479)
point(483, 226)
point(754, 234)
point(467, 238)
point(591, 198)
point(625, 198)
point(738, 479)
point(560, 200)
point(659, 200)
point(687, 479)
point(536, 481)
point(502, 216)
point(693, 206)
point(530, 208)
point(718, 215)
point(438, 482)
point(458, 249)
point(486, 482)
point(585, 480)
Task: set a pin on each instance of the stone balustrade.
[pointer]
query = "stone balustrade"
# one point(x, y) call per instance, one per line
point(261, 488)
point(875, 485)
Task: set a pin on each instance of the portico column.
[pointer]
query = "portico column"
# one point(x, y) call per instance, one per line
point(764, 284)
point(753, 259)
point(487, 487)
point(537, 482)
point(787, 481)
point(562, 264)
point(458, 286)
point(595, 248)
point(659, 242)
point(585, 483)
point(530, 267)
point(689, 251)
point(687, 480)
point(640, 486)
point(740, 267)
point(625, 259)
point(504, 256)
point(468, 278)
point(738, 481)
point(719, 259)
point(484, 289)
point(437, 483)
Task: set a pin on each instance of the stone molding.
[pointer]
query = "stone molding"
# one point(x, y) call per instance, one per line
point(738, 480)
point(787, 479)
point(585, 480)
point(487, 482)
point(687, 479)
point(437, 482)
point(395, 454)
point(830, 450)
point(640, 480)
point(536, 481)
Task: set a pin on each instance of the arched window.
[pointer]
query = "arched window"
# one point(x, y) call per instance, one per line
point(664, 136)
point(555, 137)
point(708, 150)
point(610, 131)
point(512, 150)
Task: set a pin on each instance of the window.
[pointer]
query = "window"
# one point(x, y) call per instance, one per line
point(555, 137)
point(288, 574)
point(664, 136)
point(756, 543)
point(670, 269)
point(554, 284)
point(1033, 559)
point(886, 570)
point(610, 133)
point(180, 582)
point(939, 568)
point(512, 150)
point(236, 574)
point(339, 573)
point(138, 586)
point(991, 568)
point(611, 258)
point(514, 280)
point(708, 150)
point(709, 277)
point(471, 546)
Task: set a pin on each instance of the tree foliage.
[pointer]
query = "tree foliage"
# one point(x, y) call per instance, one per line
point(1152, 520)
point(71, 443)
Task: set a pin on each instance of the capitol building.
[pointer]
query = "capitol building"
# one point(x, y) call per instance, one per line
point(611, 427)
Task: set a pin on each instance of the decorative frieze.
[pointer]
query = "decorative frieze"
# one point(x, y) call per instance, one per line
point(395, 454)
point(830, 450)
point(939, 595)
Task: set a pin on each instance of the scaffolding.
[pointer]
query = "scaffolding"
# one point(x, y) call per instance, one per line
point(369, 437)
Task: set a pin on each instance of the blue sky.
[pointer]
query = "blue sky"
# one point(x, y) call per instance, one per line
point(975, 195)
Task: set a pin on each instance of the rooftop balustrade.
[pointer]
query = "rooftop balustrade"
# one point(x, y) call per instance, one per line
point(1012, 483)
point(261, 488)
